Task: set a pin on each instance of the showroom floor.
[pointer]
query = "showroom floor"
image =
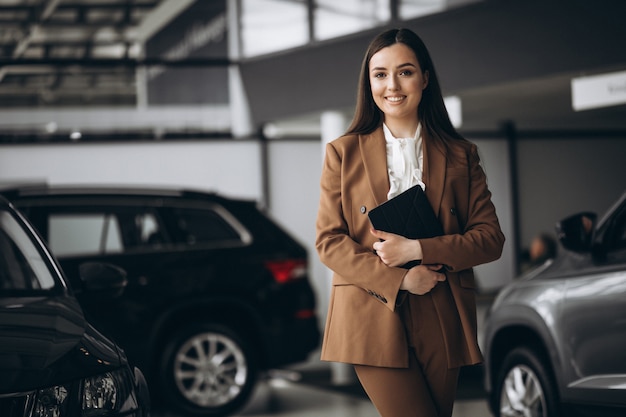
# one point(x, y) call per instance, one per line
point(286, 398)
point(306, 391)
point(291, 400)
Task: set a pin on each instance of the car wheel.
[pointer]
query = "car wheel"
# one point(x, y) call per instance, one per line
point(524, 388)
point(207, 370)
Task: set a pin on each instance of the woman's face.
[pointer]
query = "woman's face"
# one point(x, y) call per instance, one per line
point(397, 82)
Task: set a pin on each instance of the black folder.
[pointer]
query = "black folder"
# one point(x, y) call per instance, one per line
point(408, 214)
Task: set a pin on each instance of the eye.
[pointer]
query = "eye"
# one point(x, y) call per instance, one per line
point(406, 73)
point(379, 75)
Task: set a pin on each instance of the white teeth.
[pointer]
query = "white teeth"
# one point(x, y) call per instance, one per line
point(395, 99)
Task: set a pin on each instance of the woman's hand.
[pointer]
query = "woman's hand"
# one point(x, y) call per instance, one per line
point(396, 250)
point(422, 279)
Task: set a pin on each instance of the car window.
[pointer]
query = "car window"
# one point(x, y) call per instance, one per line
point(616, 235)
point(148, 231)
point(204, 226)
point(22, 266)
point(97, 229)
point(88, 230)
point(84, 233)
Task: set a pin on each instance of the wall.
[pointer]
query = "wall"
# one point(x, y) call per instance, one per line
point(494, 158)
point(560, 177)
point(294, 175)
point(230, 167)
point(556, 178)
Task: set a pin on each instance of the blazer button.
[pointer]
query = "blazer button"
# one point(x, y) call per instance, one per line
point(363, 209)
point(453, 211)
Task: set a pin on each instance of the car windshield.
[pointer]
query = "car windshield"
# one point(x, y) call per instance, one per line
point(22, 266)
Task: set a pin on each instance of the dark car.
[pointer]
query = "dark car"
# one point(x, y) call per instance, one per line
point(52, 361)
point(555, 339)
point(216, 293)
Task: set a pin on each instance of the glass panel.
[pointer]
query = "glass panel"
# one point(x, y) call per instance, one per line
point(75, 234)
point(148, 228)
point(22, 266)
point(333, 18)
point(272, 25)
point(409, 9)
point(617, 236)
point(204, 226)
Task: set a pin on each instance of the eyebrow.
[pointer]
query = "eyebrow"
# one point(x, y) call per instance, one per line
point(406, 64)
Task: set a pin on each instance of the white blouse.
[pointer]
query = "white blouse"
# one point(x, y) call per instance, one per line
point(405, 161)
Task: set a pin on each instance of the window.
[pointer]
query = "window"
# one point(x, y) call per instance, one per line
point(411, 9)
point(616, 234)
point(103, 229)
point(149, 231)
point(22, 266)
point(272, 25)
point(333, 18)
point(204, 226)
point(83, 233)
point(268, 26)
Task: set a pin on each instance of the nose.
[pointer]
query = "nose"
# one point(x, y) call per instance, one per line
point(393, 83)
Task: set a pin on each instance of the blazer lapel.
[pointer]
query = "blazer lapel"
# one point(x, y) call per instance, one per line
point(434, 172)
point(374, 156)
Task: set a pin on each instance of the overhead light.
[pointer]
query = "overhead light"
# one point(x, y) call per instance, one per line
point(271, 131)
point(51, 127)
point(76, 135)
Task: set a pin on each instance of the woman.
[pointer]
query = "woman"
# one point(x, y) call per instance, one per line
point(407, 331)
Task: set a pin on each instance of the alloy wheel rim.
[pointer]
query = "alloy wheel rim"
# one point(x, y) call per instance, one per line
point(210, 370)
point(522, 394)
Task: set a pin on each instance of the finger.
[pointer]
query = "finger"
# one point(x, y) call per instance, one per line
point(382, 234)
point(434, 267)
point(378, 233)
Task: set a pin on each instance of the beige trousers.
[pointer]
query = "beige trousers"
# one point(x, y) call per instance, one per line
point(427, 388)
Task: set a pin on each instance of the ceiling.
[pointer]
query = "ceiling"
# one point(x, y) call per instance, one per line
point(84, 53)
point(543, 103)
point(75, 52)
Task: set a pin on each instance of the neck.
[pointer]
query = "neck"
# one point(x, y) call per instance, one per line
point(402, 129)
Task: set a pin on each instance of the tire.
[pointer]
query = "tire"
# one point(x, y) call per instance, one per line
point(524, 387)
point(208, 370)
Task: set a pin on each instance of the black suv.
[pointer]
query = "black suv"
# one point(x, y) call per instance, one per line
point(216, 290)
point(52, 361)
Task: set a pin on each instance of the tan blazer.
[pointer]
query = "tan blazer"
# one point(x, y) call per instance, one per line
point(363, 326)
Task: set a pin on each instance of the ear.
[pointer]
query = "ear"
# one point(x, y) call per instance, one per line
point(426, 74)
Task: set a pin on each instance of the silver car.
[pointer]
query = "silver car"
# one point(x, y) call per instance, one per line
point(555, 339)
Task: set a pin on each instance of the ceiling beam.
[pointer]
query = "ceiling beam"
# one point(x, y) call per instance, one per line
point(159, 17)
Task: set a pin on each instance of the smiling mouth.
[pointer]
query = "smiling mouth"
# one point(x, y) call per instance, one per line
point(395, 99)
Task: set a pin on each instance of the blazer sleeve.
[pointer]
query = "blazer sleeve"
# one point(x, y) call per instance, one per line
point(343, 242)
point(480, 239)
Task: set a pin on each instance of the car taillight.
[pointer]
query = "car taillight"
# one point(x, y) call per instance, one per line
point(287, 270)
point(305, 314)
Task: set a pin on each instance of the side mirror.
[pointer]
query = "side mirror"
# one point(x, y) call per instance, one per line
point(576, 232)
point(103, 277)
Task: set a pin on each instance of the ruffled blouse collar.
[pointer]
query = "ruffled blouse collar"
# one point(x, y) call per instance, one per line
point(405, 161)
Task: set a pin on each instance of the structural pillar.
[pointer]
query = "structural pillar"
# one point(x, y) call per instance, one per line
point(333, 124)
point(241, 122)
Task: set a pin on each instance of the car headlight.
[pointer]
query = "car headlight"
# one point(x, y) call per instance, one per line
point(51, 402)
point(111, 392)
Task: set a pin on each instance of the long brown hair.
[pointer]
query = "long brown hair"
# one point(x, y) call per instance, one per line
point(431, 111)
